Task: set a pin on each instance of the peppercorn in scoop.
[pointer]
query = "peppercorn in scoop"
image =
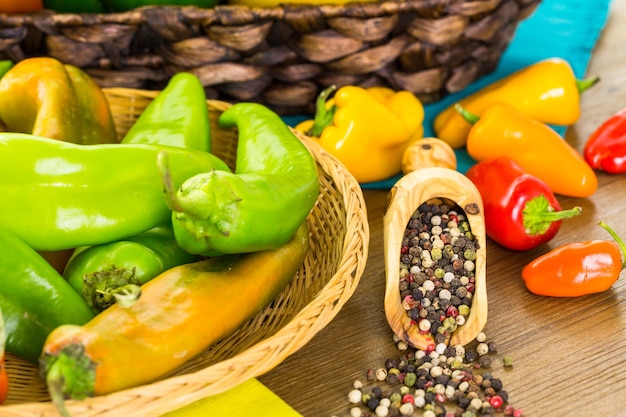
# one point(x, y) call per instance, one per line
point(435, 259)
point(437, 268)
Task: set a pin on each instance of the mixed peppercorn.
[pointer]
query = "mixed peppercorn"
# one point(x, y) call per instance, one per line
point(448, 381)
point(437, 283)
point(436, 268)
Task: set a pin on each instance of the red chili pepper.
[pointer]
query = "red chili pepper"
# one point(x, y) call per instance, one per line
point(605, 149)
point(521, 212)
point(4, 379)
point(576, 269)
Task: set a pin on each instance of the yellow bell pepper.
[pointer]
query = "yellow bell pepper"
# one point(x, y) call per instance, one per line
point(43, 97)
point(367, 130)
point(547, 91)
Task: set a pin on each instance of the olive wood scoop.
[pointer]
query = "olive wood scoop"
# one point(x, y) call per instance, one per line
point(407, 194)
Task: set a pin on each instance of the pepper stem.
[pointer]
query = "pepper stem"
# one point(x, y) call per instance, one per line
point(323, 114)
point(169, 190)
point(469, 117)
point(70, 372)
point(102, 288)
point(55, 383)
point(126, 295)
point(538, 215)
point(618, 240)
point(586, 84)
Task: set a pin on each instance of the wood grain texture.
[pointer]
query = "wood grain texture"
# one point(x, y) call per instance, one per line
point(568, 354)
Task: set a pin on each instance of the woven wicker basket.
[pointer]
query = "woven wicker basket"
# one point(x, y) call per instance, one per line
point(339, 238)
point(281, 56)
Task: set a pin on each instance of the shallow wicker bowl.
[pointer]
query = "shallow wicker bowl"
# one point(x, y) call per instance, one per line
point(339, 237)
point(281, 56)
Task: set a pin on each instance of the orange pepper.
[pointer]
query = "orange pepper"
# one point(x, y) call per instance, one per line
point(43, 97)
point(547, 91)
point(180, 314)
point(537, 148)
point(576, 269)
point(20, 6)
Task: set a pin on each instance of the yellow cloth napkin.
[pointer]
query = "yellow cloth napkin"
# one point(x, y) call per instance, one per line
point(248, 399)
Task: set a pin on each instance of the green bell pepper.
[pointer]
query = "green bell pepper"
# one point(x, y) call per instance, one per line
point(60, 195)
point(104, 273)
point(178, 116)
point(260, 206)
point(34, 298)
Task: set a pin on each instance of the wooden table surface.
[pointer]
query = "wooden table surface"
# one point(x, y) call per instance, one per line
point(569, 354)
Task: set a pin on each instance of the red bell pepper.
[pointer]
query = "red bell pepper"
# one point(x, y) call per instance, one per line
point(521, 212)
point(578, 268)
point(605, 149)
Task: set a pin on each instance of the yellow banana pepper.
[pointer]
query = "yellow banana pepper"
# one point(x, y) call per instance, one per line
point(547, 91)
point(43, 97)
point(367, 130)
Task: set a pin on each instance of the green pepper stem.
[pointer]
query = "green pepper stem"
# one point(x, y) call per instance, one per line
point(169, 190)
point(103, 288)
point(71, 373)
point(55, 383)
point(126, 295)
point(323, 115)
point(471, 118)
point(586, 83)
point(617, 239)
point(538, 215)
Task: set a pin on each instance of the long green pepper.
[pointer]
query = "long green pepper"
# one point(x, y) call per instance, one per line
point(178, 116)
point(261, 204)
point(34, 298)
point(58, 195)
point(103, 274)
point(74, 6)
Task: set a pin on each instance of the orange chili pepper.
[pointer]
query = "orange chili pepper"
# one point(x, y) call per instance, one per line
point(547, 90)
point(576, 269)
point(536, 147)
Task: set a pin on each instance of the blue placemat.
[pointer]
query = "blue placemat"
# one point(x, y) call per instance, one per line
point(567, 29)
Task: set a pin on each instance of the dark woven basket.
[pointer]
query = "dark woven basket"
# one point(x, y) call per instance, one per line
point(281, 56)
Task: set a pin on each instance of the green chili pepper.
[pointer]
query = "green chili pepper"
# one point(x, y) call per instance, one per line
point(59, 195)
point(74, 6)
point(34, 298)
point(260, 206)
point(100, 272)
point(178, 116)
point(124, 5)
point(5, 66)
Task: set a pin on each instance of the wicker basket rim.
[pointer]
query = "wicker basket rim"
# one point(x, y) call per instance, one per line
point(223, 13)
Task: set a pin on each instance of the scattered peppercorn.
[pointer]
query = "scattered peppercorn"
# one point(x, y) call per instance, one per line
point(508, 361)
point(445, 381)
